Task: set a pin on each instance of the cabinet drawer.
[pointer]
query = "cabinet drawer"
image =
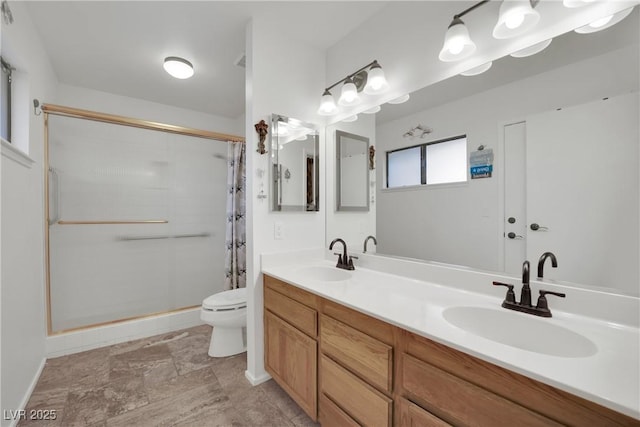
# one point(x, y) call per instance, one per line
point(369, 358)
point(411, 415)
point(332, 415)
point(362, 402)
point(293, 292)
point(291, 358)
point(297, 314)
point(460, 402)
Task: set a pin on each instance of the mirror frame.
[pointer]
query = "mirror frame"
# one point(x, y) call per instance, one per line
point(275, 176)
point(338, 139)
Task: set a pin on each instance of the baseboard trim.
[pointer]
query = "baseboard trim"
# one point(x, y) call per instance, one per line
point(32, 386)
point(256, 380)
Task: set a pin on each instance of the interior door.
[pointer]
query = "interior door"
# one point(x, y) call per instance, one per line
point(582, 191)
point(515, 221)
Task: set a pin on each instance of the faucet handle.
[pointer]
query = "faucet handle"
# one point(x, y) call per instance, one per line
point(339, 259)
point(542, 299)
point(511, 296)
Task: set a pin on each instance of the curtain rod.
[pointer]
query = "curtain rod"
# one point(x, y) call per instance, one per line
point(60, 110)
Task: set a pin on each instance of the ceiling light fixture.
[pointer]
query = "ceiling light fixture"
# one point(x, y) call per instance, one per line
point(178, 67)
point(604, 22)
point(477, 70)
point(531, 50)
point(516, 17)
point(369, 79)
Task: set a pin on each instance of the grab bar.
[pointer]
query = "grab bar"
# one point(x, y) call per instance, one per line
point(147, 221)
point(175, 236)
point(55, 179)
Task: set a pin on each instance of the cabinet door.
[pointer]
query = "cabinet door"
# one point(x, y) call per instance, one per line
point(291, 359)
point(411, 415)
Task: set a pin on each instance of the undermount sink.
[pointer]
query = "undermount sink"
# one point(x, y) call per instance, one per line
point(517, 330)
point(325, 274)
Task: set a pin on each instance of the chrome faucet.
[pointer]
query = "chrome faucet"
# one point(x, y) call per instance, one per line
point(344, 260)
point(541, 308)
point(543, 258)
point(367, 240)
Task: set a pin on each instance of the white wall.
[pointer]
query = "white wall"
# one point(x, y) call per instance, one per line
point(22, 232)
point(352, 227)
point(287, 86)
point(461, 224)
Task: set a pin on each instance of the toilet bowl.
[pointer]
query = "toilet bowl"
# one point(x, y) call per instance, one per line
point(227, 313)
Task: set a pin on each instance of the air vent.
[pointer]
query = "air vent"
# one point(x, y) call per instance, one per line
point(241, 61)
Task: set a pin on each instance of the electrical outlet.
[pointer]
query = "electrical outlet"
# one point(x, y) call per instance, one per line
point(278, 230)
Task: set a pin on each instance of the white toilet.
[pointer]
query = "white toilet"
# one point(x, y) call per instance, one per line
point(227, 313)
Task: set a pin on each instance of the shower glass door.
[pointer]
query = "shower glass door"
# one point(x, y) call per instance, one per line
point(136, 221)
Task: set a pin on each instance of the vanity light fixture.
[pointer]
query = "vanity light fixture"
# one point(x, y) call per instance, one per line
point(605, 22)
point(531, 50)
point(516, 17)
point(177, 67)
point(399, 100)
point(477, 70)
point(369, 79)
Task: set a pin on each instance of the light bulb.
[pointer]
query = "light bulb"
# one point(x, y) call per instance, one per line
point(327, 104)
point(456, 46)
point(514, 20)
point(349, 95)
point(376, 81)
point(178, 67)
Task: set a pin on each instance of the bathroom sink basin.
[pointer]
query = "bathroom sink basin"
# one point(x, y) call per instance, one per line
point(517, 330)
point(324, 274)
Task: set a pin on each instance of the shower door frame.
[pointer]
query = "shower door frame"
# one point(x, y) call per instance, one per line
point(59, 110)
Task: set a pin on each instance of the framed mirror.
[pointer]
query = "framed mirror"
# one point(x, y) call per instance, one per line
point(352, 172)
point(294, 165)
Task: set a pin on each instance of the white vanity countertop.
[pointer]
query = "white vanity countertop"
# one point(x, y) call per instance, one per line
point(610, 377)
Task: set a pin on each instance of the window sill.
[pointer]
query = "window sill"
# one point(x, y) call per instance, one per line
point(15, 154)
point(425, 187)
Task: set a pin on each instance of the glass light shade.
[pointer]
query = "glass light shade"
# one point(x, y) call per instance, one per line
point(400, 99)
point(477, 70)
point(350, 119)
point(605, 22)
point(531, 50)
point(516, 17)
point(376, 82)
point(327, 104)
point(576, 3)
point(178, 67)
point(349, 95)
point(457, 43)
point(372, 110)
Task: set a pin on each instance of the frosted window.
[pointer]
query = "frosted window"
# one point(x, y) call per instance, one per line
point(447, 162)
point(404, 167)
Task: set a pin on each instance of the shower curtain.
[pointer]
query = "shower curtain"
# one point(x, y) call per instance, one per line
point(236, 248)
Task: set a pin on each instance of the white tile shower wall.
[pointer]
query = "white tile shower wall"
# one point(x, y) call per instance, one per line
point(74, 342)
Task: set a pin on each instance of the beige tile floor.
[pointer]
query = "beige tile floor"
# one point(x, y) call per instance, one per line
point(165, 380)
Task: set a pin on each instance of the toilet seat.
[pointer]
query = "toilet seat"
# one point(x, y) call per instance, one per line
point(234, 299)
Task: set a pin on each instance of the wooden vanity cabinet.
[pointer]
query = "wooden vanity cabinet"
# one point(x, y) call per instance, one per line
point(345, 368)
point(356, 367)
point(463, 390)
point(291, 347)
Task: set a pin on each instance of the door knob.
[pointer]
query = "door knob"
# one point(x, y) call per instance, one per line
point(513, 235)
point(536, 227)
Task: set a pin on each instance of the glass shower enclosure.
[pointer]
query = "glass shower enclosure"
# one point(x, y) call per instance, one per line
point(136, 221)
